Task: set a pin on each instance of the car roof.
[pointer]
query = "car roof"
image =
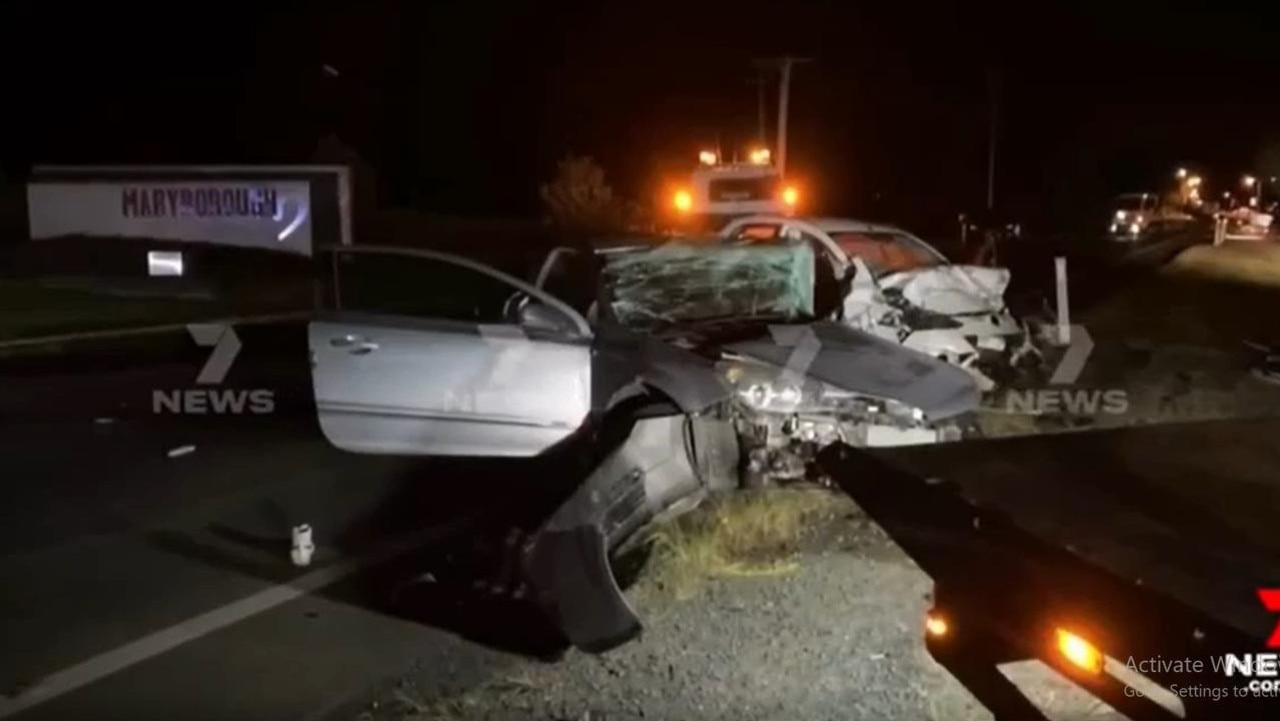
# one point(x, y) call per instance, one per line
point(828, 224)
point(850, 225)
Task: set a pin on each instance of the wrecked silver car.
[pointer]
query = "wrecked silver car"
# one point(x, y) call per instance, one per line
point(660, 374)
point(798, 385)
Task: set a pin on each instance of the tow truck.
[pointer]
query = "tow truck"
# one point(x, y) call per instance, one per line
point(716, 192)
point(1142, 564)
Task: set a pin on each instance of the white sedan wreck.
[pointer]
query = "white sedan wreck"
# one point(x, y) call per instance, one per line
point(901, 288)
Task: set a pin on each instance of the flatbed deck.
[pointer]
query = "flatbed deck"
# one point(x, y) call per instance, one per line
point(1148, 543)
point(1191, 510)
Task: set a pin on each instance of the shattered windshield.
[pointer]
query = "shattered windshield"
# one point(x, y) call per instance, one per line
point(887, 252)
point(681, 284)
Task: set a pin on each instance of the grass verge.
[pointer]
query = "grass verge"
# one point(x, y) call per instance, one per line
point(1253, 263)
point(749, 533)
point(29, 309)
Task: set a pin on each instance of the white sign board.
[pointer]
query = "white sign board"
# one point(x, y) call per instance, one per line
point(269, 214)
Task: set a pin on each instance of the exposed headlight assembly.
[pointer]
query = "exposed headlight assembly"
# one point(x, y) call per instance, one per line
point(769, 389)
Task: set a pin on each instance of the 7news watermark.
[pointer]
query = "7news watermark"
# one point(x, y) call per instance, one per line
point(211, 400)
point(1060, 397)
point(1248, 674)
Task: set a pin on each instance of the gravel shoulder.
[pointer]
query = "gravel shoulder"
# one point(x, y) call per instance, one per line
point(834, 636)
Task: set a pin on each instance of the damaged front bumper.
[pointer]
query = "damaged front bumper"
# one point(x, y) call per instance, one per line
point(780, 447)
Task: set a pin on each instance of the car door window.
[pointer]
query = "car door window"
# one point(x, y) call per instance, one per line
point(405, 285)
point(822, 255)
point(568, 275)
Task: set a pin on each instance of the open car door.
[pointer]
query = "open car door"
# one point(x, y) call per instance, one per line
point(425, 353)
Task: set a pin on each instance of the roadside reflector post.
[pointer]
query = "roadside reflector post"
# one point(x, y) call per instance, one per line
point(1064, 312)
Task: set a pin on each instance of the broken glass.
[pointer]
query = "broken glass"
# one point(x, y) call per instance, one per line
point(680, 284)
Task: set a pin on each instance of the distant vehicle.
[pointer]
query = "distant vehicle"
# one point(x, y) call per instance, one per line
point(1139, 214)
point(717, 192)
point(901, 288)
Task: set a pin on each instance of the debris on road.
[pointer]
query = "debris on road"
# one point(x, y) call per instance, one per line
point(1266, 367)
point(181, 451)
point(302, 547)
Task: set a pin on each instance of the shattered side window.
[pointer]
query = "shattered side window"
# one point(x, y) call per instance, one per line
point(677, 284)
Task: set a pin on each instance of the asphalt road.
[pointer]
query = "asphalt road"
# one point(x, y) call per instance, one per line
point(139, 584)
point(145, 561)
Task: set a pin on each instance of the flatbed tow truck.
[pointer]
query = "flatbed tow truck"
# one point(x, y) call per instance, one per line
point(1139, 563)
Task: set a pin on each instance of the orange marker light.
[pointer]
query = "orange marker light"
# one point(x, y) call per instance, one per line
point(683, 201)
point(1078, 651)
point(790, 195)
point(936, 625)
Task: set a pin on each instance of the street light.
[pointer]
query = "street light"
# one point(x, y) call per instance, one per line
point(1182, 173)
point(1249, 181)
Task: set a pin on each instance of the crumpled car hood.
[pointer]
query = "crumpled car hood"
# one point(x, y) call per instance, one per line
point(860, 362)
point(952, 289)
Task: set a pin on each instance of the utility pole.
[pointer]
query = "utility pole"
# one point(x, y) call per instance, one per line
point(784, 100)
point(761, 131)
point(993, 93)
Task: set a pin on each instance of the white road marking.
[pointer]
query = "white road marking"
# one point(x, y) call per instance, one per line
point(104, 664)
point(145, 330)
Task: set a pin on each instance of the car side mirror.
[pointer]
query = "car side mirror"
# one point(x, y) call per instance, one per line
point(536, 315)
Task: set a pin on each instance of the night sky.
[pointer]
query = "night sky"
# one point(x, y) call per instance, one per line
point(463, 108)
